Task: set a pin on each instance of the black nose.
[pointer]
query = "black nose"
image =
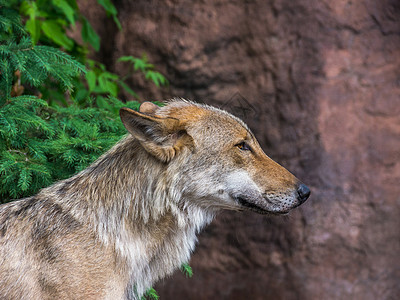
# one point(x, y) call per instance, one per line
point(303, 192)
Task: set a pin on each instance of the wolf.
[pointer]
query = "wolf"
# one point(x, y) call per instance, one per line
point(132, 217)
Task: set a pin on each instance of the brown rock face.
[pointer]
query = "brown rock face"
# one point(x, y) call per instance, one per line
point(319, 84)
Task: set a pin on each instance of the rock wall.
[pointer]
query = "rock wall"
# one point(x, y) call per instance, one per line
point(319, 84)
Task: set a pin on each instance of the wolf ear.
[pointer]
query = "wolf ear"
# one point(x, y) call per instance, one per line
point(161, 137)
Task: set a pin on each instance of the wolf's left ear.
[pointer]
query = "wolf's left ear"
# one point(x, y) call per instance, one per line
point(161, 137)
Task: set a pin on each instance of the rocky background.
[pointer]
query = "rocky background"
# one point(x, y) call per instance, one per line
point(319, 84)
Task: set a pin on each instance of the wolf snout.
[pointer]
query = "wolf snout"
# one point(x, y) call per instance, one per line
point(303, 192)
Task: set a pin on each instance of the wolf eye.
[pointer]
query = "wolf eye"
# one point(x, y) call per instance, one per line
point(243, 146)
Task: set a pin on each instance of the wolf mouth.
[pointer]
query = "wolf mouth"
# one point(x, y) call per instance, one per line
point(254, 207)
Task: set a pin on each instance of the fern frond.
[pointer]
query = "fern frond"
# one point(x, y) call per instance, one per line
point(25, 180)
point(36, 150)
point(151, 294)
point(10, 20)
point(7, 163)
point(55, 55)
point(7, 126)
point(187, 270)
point(25, 120)
point(59, 65)
point(28, 101)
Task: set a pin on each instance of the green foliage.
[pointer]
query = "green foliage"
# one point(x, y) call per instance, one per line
point(41, 144)
point(111, 10)
point(89, 35)
point(142, 64)
point(47, 22)
point(151, 294)
point(187, 270)
point(52, 124)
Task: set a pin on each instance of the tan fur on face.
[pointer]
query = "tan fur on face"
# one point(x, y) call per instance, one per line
point(132, 217)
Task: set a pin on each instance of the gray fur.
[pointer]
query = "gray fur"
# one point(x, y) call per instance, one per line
point(131, 218)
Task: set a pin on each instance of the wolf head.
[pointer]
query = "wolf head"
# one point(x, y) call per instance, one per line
point(213, 158)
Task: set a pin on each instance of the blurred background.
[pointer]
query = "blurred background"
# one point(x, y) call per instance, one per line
point(319, 84)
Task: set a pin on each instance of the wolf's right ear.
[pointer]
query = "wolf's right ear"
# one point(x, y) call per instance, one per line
point(161, 137)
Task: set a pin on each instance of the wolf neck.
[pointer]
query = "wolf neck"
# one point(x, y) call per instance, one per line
point(136, 207)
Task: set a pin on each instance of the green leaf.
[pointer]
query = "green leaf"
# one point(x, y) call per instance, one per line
point(91, 63)
point(33, 27)
point(89, 35)
point(126, 58)
point(102, 103)
point(56, 33)
point(141, 64)
point(91, 80)
point(73, 4)
point(81, 96)
point(33, 24)
point(128, 89)
point(138, 63)
point(107, 83)
point(108, 6)
point(187, 270)
point(151, 294)
point(156, 77)
point(67, 10)
point(116, 21)
point(29, 8)
point(111, 11)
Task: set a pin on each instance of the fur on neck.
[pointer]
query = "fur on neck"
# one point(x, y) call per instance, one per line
point(138, 209)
